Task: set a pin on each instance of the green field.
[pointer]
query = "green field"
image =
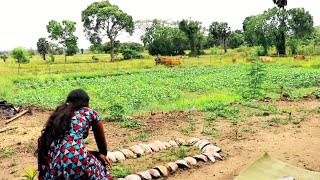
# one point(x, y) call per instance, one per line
point(141, 86)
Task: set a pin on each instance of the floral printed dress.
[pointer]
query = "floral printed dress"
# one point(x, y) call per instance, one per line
point(68, 158)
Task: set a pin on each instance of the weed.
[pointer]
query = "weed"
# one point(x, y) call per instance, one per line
point(29, 174)
point(256, 76)
point(120, 171)
point(7, 152)
point(221, 110)
point(130, 124)
point(207, 132)
point(276, 120)
point(142, 136)
point(187, 131)
point(116, 113)
point(211, 117)
point(246, 129)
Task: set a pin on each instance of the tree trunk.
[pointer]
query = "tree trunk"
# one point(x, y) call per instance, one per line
point(282, 45)
point(44, 56)
point(112, 50)
point(282, 40)
point(224, 45)
point(19, 69)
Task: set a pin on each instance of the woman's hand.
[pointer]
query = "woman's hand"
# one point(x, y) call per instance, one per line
point(104, 160)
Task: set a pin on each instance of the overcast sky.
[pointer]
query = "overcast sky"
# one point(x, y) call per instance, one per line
point(23, 22)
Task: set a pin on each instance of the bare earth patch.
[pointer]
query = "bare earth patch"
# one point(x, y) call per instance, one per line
point(296, 141)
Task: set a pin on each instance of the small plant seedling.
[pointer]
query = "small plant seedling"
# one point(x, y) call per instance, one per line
point(29, 174)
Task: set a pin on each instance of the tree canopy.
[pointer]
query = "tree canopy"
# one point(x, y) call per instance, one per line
point(21, 56)
point(43, 47)
point(194, 32)
point(104, 19)
point(220, 32)
point(64, 34)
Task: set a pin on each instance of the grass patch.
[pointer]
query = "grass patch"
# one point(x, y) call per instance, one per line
point(276, 120)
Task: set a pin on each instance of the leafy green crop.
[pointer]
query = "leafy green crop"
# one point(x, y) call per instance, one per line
point(147, 90)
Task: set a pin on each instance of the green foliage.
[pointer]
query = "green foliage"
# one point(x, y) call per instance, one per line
point(30, 174)
point(211, 117)
point(162, 39)
point(182, 153)
point(95, 58)
point(293, 44)
point(131, 54)
point(117, 113)
point(300, 23)
point(274, 26)
point(256, 77)
point(138, 91)
point(104, 19)
point(43, 47)
point(52, 58)
point(106, 47)
point(130, 123)
point(72, 47)
point(220, 33)
point(262, 28)
point(276, 120)
point(235, 40)
point(194, 32)
point(64, 34)
point(20, 55)
point(7, 152)
point(31, 52)
point(220, 110)
point(132, 46)
point(120, 171)
point(54, 49)
point(4, 57)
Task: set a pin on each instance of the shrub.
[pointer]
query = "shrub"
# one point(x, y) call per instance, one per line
point(131, 54)
point(95, 58)
point(116, 113)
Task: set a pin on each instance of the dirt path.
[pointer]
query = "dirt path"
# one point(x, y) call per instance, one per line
point(296, 143)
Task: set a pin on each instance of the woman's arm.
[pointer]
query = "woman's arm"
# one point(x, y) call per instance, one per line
point(100, 138)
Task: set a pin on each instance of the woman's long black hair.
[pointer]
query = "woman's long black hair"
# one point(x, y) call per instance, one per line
point(59, 122)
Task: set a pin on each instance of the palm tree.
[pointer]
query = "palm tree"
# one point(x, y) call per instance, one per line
point(280, 3)
point(281, 45)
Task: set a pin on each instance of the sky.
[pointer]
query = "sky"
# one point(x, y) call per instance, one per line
point(23, 22)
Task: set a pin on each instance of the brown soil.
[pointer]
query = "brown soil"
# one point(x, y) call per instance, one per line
point(295, 142)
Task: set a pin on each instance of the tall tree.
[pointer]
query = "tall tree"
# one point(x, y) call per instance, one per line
point(220, 33)
point(300, 23)
point(43, 47)
point(262, 28)
point(4, 57)
point(281, 36)
point(247, 36)
point(21, 56)
point(235, 40)
point(104, 19)
point(64, 34)
point(194, 33)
